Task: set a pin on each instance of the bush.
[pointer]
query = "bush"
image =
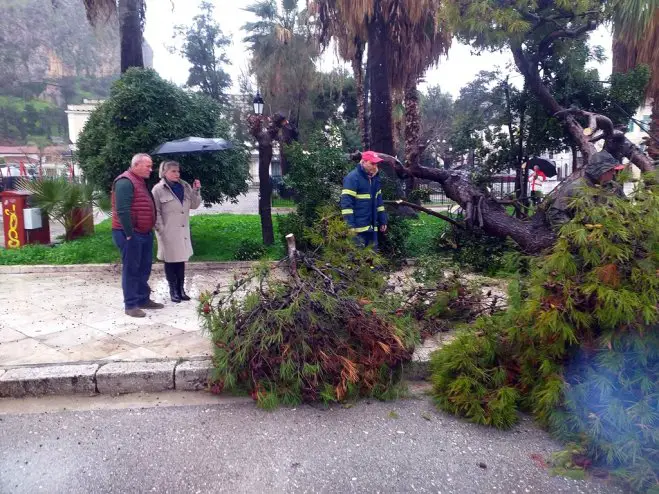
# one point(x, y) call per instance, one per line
point(143, 111)
point(579, 346)
point(474, 250)
point(316, 174)
point(249, 250)
point(326, 333)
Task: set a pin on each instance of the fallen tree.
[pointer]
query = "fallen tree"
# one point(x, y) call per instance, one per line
point(482, 210)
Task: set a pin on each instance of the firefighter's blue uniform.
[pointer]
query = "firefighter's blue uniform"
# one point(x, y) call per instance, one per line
point(362, 205)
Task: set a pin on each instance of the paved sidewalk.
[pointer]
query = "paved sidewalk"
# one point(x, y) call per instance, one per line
point(71, 317)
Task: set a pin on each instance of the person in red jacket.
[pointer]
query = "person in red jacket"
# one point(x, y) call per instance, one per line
point(133, 219)
point(537, 178)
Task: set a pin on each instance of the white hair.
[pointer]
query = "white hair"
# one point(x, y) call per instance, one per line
point(138, 158)
point(165, 166)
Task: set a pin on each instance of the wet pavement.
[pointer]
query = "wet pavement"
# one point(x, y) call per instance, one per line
point(70, 317)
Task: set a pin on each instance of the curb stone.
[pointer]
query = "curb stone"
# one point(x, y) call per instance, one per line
point(150, 375)
point(192, 375)
point(52, 380)
point(133, 377)
point(116, 267)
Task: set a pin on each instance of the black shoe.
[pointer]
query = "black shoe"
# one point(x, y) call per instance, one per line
point(174, 294)
point(181, 291)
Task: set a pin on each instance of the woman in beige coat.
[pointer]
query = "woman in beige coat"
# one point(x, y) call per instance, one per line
point(174, 199)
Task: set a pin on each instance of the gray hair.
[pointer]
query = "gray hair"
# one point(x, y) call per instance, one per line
point(165, 166)
point(138, 158)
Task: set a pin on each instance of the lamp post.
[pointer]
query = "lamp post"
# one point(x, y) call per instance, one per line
point(258, 104)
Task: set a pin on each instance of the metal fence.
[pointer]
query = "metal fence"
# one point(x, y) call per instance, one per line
point(500, 187)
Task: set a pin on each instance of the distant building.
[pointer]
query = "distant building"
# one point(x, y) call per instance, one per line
point(77, 116)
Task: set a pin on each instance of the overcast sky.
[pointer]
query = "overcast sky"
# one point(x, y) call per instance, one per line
point(452, 73)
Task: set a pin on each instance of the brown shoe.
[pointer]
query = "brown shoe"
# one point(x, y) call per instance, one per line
point(135, 313)
point(152, 305)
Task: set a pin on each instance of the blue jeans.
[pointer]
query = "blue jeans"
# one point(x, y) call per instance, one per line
point(136, 258)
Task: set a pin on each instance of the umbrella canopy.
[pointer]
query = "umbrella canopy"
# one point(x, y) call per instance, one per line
point(547, 167)
point(192, 145)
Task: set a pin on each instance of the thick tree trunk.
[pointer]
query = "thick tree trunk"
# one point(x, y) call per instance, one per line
point(265, 189)
point(412, 131)
point(483, 211)
point(366, 136)
point(358, 73)
point(653, 141)
point(381, 124)
point(130, 31)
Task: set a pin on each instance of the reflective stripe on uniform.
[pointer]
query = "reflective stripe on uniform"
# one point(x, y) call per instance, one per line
point(379, 193)
point(380, 209)
point(352, 193)
point(362, 229)
point(347, 211)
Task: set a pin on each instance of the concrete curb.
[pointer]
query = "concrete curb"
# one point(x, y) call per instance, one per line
point(116, 378)
point(116, 268)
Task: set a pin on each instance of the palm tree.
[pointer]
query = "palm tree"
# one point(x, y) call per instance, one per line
point(131, 24)
point(283, 52)
point(636, 42)
point(403, 40)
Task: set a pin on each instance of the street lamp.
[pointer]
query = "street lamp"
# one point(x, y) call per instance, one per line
point(258, 104)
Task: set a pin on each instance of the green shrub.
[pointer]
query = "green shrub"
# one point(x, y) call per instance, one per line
point(474, 250)
point(142, 112)
point(250, 250)
point(579, 346)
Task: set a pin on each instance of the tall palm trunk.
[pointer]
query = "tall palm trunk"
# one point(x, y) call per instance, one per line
point(653, 142)
point(412, 131)
point(381, 124)
point(358, 73)
point(130, 30)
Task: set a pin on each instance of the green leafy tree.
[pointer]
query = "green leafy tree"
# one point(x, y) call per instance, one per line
point(535, 33)
point(144, 111)
point(204, 46)
point(578, 347)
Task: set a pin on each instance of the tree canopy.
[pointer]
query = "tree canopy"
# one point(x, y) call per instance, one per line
point(143, 111)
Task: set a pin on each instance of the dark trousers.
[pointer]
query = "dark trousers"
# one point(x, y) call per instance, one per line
point(175, 273)
point(136, 258)
point(364, 239)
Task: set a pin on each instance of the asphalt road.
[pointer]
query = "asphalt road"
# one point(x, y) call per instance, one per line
point(178, 443)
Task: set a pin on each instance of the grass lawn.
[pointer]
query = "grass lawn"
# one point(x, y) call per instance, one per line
point(422, 234)
point(214, 238)
point(278, 202)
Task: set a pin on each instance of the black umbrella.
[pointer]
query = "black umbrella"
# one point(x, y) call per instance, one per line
point(547, 167)
point(193, 145)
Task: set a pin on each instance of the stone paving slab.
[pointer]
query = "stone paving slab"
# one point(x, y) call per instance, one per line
point(135, 377)
point(58, 318)
point(50, 380)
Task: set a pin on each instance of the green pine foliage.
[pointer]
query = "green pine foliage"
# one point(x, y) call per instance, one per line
point(324, 333)
point(579, 346)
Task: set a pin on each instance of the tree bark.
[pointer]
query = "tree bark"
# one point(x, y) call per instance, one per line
point(265, 188)
point(532, 235)
point(130, 31)
point(653, 141)
point(381, 122)
point(358, 73)
point(412, 131)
